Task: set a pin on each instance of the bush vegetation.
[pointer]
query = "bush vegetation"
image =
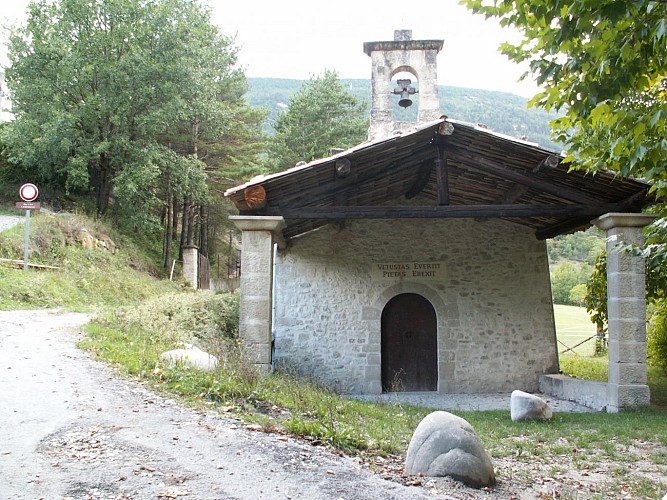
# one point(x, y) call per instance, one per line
point(113, 271)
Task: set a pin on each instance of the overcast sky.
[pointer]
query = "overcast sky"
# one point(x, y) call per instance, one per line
point(299, 39)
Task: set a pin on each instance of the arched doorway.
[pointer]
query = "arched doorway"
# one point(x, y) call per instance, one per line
point(409, 344)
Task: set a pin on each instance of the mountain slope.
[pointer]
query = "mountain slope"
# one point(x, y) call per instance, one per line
point(500, 111)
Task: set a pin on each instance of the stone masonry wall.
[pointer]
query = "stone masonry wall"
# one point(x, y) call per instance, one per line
point(490, 290)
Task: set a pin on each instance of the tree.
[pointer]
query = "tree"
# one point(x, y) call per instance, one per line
point(322, 115)
point(97, 85)
point(565, 278)
point(604, 63)
point(115, 98)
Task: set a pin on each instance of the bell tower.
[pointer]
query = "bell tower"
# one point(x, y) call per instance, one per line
point(402, 55)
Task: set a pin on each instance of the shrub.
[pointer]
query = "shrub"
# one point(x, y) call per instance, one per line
point(657, 336)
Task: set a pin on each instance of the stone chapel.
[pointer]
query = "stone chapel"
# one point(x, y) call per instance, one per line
point(417, 261)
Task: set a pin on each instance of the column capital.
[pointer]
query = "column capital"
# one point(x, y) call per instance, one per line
point(272, 223)
point(258, 222)
point(621, 219)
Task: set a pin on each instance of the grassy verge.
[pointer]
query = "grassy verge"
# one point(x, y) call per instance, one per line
point(595, 368)
point(574, 328)
point(284, 403)
point(109, 273)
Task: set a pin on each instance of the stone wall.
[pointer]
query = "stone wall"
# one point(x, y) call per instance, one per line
point(490, 290)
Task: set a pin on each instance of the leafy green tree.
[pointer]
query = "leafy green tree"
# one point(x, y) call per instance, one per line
point(322, 115)
point(137, 103)
point(566, 276)
point(582, 246)
point(604, 64)
point(100, 87)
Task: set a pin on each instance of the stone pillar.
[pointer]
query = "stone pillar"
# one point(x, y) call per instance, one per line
point(626, 311)
point(255, 328)
point(191, 265)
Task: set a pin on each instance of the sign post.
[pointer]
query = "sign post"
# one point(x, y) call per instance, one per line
point(28, 193)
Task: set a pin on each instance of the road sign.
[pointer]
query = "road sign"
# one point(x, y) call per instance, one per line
point(28, 192)
point(28, 205)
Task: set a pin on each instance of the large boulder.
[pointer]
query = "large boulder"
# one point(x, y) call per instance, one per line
point(525, 406)
point(191, 356)
point(446, 445)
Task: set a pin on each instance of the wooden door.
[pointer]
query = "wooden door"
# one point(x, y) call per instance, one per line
point(409, 345)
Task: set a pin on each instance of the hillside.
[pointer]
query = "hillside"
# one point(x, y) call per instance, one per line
point(500, 111)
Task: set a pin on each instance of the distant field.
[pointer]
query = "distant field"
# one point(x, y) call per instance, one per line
point(573, 325)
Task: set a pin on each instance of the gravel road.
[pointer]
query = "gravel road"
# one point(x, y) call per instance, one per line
point(71, 429)
point(7, 221)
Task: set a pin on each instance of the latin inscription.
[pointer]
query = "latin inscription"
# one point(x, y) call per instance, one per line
point(407, 270)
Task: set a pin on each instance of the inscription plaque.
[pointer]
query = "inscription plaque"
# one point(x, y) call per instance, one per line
point(408, 270)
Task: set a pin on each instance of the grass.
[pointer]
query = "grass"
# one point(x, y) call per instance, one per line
point(285, 403)
point(573, 326)
point(87, 278)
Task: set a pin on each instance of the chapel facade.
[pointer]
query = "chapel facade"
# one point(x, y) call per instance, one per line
point(417, 261)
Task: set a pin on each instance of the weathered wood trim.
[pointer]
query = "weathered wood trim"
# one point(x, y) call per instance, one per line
point(632, 204)
point(528, 179)
point(443, 179)
point(445, 211)
point(351, 182)
point(517, 191)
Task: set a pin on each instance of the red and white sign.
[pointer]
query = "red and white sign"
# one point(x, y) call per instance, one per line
point(28, 192)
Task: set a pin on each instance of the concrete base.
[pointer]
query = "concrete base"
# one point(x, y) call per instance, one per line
point(585, 392)
point(627, 397)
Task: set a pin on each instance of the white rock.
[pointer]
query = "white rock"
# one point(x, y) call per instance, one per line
point(446, 445)
point(191, 356)
point(525, 406)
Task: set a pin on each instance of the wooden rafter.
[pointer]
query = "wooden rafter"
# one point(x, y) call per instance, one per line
point(477, 162)
point(447, 211)
point(442, 176)
point(518, 190)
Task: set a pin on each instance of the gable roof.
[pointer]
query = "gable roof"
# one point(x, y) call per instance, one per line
point(445, 168)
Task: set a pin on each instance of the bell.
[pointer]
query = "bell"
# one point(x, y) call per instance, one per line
point(404, 90)
point(405, 101)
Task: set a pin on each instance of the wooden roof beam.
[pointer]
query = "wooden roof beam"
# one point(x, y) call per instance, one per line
point(442, 176)
point(423, 176)
point(528, 179)
point(448, 211)
point(518, 190)
point(632, 204)
point(357, 177)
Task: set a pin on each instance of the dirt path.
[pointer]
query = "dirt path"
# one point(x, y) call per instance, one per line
point(71, 429)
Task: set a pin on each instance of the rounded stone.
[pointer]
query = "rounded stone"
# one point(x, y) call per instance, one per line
point(526, 406)
point(446, 445)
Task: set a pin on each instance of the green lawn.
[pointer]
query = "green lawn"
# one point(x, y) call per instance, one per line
point(573, 325)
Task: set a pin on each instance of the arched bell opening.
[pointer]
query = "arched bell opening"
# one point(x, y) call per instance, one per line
point(405, 95)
